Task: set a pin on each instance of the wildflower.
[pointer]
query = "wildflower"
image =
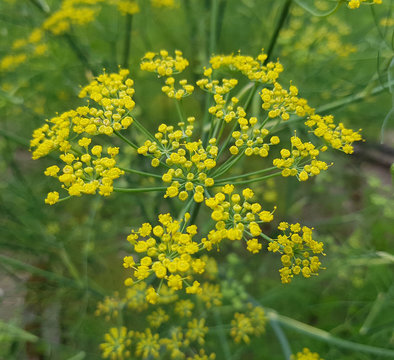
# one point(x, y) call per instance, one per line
point(250, 139)
point(296, 245)
point(70, 13)
point(88, 173)
point(254, 69)
point(135, 298)
point(196, 331)
point(10, 62)
point(210, 295)
point(222, 109)
point(236, 219)
point(295, 162)
point(243, 326)
point(114, 95)
point(337, 136)
point(52, 198)
point(164, 64)
point(110, 306)
point(279, 102)
point(184, 90)
point(52, 136)
point(166, 252)
point(147, 344)
point(157, 318)
point(117, 342)
point(189, 162)
point(203, 356)
point(175, 343)
point(184, 308)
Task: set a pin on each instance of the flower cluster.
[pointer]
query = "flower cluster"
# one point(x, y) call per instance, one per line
point(250, 139)
point(172, 92)
point(53, 135)
point(71, 12)
point(236, 219)
point(295, 162)
point(117, 340)
point(281, 102)
point(189, 163)
point(114, 94)
point(337, 136)
point(84, 172)
point(163, 64)
point(169, 272)
point(253, 69)
point(245, 325)
point(222, 109)
point(147, 344)
point(165, 251)
point(156, 331)
point(87, 173)
point(296, 245)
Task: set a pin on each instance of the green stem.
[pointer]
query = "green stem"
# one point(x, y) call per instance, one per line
point(222, 336)
point(16, 333)
point(229, 137)
point(45, 274)
point(144, 130)
point(186, 208)
point(376, 308)
point(134, 146)
point(211, 50)
point(326, 336)
point(248, 174)
point(220, 132)
point(205, 130)
point(179, 110)
point(64, 199)
point(252, 180)
point(353, 98)
point(319, 14)
point(44, 8)
point(79, 53)
point(138, 172)
point(213, 26)
point(119, 135)
point(194, 212)
point(284, 343)
point(250, 96)
point(266, 237)
point(279, 25)
point(213, 134)
point(140, 190)
point(337, 104)
point(229, 163)
point(127, 40)
point(70, 266)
